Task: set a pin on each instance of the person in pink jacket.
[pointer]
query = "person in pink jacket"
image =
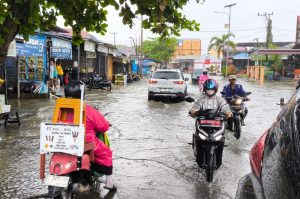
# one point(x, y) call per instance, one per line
point(95, 123)
point(202, 79)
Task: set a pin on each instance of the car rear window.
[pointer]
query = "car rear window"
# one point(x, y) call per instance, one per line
point(197, 72)
point(165, 75)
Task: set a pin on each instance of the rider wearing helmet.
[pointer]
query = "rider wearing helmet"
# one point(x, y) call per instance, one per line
point(203, 78)
point(209, 100)
point(95, 123)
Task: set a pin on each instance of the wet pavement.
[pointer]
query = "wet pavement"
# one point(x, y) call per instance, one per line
point(152, 158)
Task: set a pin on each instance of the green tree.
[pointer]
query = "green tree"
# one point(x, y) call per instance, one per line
point(163, 17)
point(161, 49)
point(219, 43)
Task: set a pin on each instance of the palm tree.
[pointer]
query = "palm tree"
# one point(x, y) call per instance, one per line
point(219, 43)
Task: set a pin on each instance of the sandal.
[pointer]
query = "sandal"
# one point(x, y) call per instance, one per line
point(112, 189)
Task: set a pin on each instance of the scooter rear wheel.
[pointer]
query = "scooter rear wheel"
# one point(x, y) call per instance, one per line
point(65, 194)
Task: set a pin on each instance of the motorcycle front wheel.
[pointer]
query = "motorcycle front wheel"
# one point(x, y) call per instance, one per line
point(108, 87)
point(237, 127)
point(210, 168)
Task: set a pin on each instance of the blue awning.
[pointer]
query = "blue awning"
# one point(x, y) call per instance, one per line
point(241, 56)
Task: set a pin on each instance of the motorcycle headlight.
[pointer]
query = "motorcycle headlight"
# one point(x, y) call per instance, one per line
point(202, 137)
point(218, 138)
point(238, 101)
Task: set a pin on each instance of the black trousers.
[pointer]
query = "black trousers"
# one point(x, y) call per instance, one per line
point(101, 169)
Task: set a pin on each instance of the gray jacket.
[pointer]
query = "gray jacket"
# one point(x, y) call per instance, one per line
point(215, 102)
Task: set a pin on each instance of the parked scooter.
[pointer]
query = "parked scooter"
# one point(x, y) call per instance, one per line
point(237, 107)
point(97, 82)
point(70, 163)
point(208, 140)
point(132, 77)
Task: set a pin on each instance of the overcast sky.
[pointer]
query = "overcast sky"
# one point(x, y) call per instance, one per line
point(245, 22)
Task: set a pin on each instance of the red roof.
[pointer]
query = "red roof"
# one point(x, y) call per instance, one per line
point(85, 35)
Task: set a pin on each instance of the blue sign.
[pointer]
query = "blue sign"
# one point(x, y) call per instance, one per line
point(61, 53)
point(61, 49)
point(34, 47)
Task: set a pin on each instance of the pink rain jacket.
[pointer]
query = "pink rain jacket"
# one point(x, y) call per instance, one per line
point(95, 122)
point(202, 79)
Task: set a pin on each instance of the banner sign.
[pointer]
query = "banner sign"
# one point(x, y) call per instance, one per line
point(12, 50)
point(61, 53)
point(298, 31)
point(89, 46)
point(91, 55)
point(61, 49)
point(207, 61)
point(62, 138)
point(33, 47)
point(61, 43)
point(102, 48)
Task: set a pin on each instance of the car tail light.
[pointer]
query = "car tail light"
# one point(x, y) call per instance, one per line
point(178, 82)
point(152, 82)
point(256, 155)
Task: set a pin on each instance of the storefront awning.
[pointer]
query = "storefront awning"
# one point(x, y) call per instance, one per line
point(277, 52)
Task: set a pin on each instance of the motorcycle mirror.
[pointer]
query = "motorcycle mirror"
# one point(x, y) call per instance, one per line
point(222, 93)
point(189, 99)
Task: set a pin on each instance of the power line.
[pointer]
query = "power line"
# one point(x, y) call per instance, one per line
point(283, 29)
point(289, 8)
point(237, 30)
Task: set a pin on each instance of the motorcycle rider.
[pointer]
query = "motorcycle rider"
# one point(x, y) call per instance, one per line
point(202, 79)
point(209, 100)
point(95, 123)
point(233, 89)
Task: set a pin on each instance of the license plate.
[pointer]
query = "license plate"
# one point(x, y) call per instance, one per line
point(165, 90)
point(216, 123)
point(57, 181)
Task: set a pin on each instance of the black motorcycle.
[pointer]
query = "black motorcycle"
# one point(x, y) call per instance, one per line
point(208, 140)
point(97, 82)
point(237, 107)
point(131, 78)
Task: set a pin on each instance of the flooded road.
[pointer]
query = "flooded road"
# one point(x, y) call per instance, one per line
point(152, 158)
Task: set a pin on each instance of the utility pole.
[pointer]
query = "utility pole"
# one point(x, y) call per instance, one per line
point(269, 37)
point(114, 33)
point(142, 35)
point(134, 45)
point(228, 37)
point(256, 39)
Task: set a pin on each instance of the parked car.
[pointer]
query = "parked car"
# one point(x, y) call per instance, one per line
point(275, 158)
point(195, 75)
point(167, 83)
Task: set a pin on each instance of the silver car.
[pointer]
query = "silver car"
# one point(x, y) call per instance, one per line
point(167, 83)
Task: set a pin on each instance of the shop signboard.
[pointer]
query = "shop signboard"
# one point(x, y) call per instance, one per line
point(61, 53)
point(102, 48)
point(61, 49)
point(298, 31)
point(62, 138)
point(12, 51)
point(91, 55)
point(33, 47)
point(89, 46)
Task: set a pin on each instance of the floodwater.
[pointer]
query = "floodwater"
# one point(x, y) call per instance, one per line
point(152, 158)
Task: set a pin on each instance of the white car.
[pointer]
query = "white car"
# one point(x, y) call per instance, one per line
point(167, 83)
